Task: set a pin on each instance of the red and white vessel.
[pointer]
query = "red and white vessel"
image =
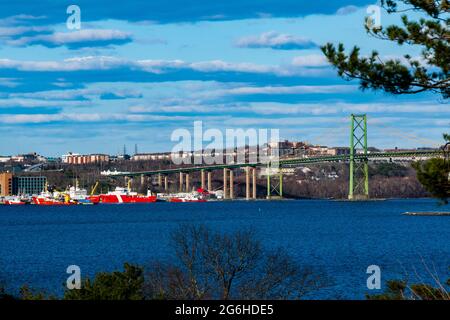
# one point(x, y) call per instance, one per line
point(11, 201)
point(200, 195)
point(122, 195)
point(49, 199)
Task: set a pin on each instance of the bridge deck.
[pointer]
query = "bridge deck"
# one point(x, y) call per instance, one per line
point(283, 162)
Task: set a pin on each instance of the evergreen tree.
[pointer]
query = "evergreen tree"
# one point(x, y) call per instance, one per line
point(431, 33)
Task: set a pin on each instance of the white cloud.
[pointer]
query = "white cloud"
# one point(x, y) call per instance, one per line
point(293, 89)
point(92, 117)
point(347, 10)
point(218, 65)
point(275, 40)
point(268, 108)
point(77, 93)
point(6, 32)
point(312, 60)
point(163, 66)
point(84, 37)
point(72, 64)
point(9, 82)
point(19, 19)
point(32, 103)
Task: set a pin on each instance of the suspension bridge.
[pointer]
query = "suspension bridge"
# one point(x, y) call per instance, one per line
point(358, 159)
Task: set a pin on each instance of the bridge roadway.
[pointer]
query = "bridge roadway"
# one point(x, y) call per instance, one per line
point(282, 162)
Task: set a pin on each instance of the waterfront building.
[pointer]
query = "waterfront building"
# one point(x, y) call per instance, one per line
point(28, 185)
point(6, 184)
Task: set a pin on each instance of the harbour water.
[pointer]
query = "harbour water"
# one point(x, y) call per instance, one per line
point(344, 238)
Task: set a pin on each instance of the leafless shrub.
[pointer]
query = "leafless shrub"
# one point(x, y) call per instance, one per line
point(212, 265)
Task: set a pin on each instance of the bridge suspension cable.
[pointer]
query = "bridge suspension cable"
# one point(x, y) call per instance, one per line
point(409, 136)
point(323, 138)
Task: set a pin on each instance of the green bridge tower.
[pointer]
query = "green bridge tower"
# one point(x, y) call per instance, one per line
point(359, 168)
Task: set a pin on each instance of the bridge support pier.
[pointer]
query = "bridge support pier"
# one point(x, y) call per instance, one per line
point(359, 169)
point(225, 183)
point(202, 178)
point(142, 180)
point(231, 184)
point(250, 183)
point(181, 182)
point(166, 183)
point(130, 183)
point(159, 180)
point(247, 183)
point(209, 181)
point(254, 183)
point(188, 183)
point(277, 188)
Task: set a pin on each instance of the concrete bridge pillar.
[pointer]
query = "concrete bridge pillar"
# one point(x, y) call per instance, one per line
point(225, 183)
point(202, 178)
point(142, 180)
point(231, 184)
point(166, 183)
point(247, 183)
point(181, 181)
point(188, 182)
point(159, 180)
point(209, 181)
point(254, 183)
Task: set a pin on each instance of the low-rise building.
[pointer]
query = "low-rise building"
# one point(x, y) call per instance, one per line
point(75, 158)
point(29, 185)
point(28, 158)
point(338, 151)
point(6, 180)
point(150, 156)
point(18, 185)
point(4, 159)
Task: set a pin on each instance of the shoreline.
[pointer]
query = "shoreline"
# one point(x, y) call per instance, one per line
point(427, 213)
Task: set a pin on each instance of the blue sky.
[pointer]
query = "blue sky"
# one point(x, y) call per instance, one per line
point(137, 70)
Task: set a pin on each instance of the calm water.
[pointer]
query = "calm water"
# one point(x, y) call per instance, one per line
point(38, 243)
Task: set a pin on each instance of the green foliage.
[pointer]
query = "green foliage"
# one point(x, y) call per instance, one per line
point(27, 293)
point(4, 295)
point(117, 285)
point(400, 290)
point(389, 170)
point(433, 174)
point(446, 137)
point(430, 72)
point(395, 291)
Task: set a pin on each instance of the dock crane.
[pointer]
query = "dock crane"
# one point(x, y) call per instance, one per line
point(94, 188)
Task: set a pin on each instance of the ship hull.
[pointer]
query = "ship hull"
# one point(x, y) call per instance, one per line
point(49, 202)
point(13, 203)
point(186, 200)
point(116, 199)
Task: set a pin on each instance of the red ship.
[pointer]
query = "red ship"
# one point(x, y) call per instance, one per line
point(13, 201)
point(122, 195)
point(200, 195)
point(48, 201)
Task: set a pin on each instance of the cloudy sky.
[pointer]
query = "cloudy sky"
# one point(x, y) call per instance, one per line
point(137, 70)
